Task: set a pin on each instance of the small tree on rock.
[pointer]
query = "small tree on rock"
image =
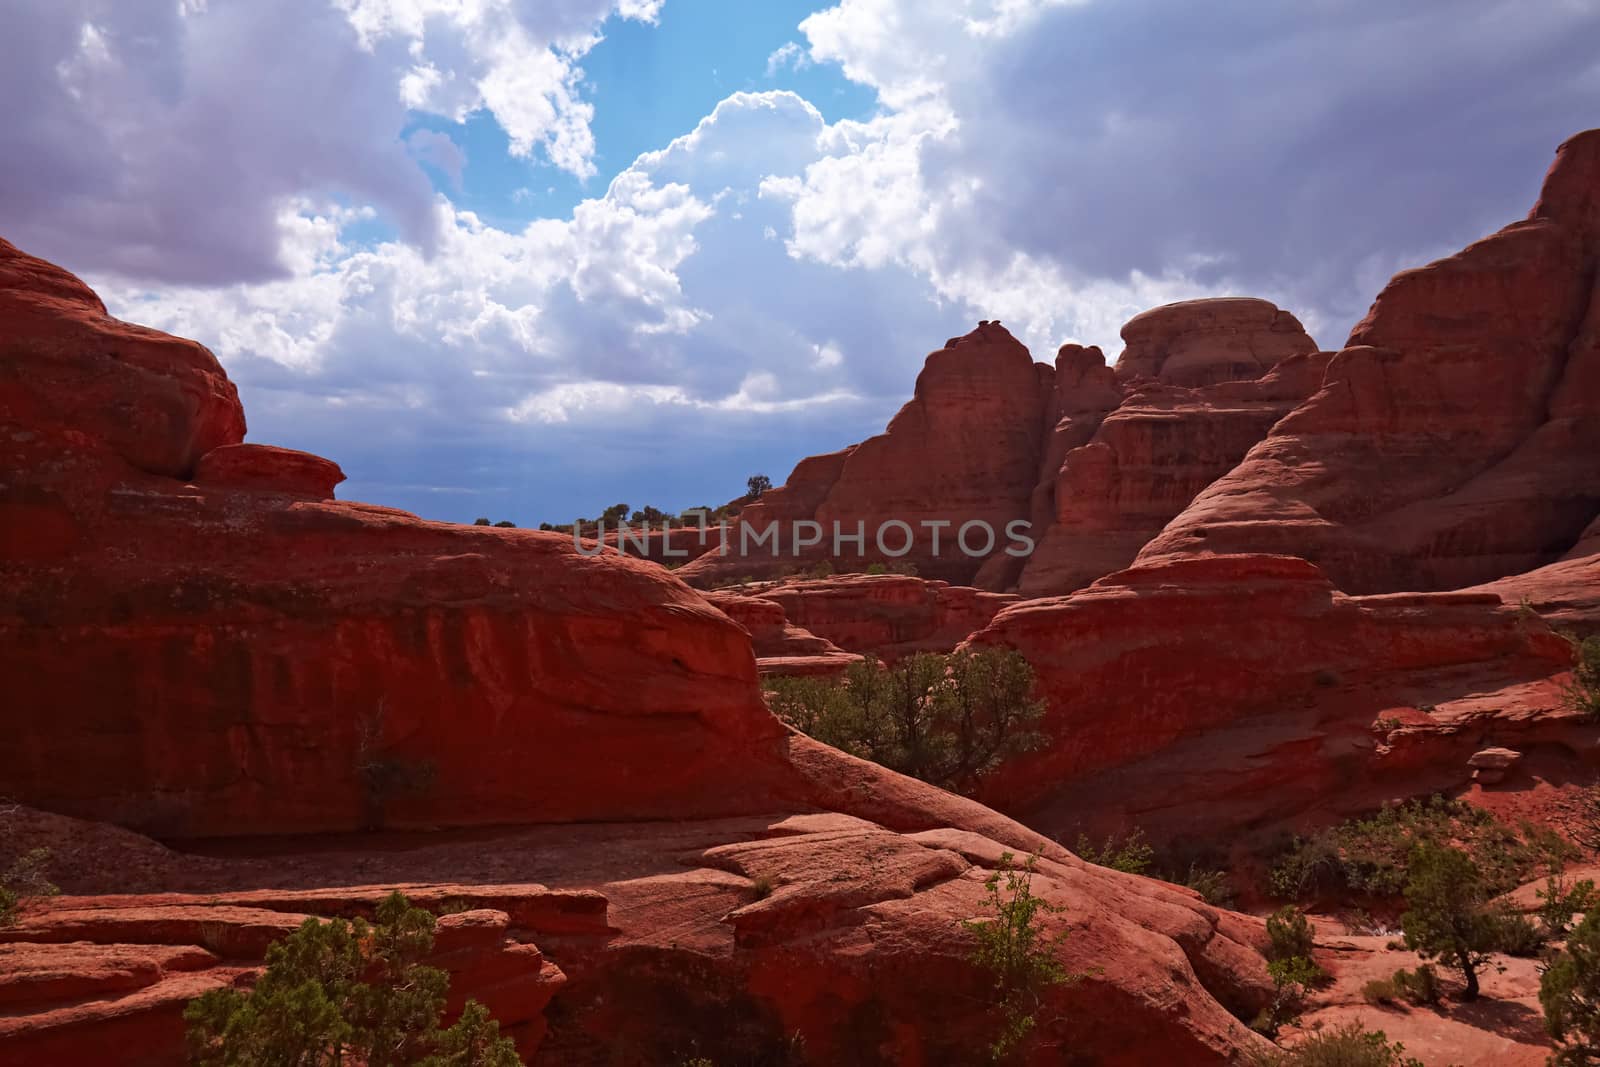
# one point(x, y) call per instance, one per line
point(757, 484)
point(1015, 950)
point(1447, 917)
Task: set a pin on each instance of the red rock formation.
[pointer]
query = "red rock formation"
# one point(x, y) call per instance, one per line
point(780, 646)
point(964, 449)
point(671, 546)
point(208, 657)
point(1146, 461)
point(1566, 593)
point(1453, 440)
point(158, 402)
point(885, 615)
point(1204, 695)
point(269, 468)
point(658, 944)
point(1202, 342)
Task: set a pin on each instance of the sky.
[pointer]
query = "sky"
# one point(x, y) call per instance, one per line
point(524, 259)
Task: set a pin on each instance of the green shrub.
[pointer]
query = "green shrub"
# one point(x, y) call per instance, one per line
point(346, 992)
point(1380, 991)
point(1344, 1046)
point(1569, 993)
point(947, 719)
point(877, 568)
point(1446, 916)
point(25, 877)
point(1289, 934)
point(1016, 952)
point(762, 886)
point(1560, 902)
point(1517, 935)
point(1368, 856)
point(1290, 939)
point(1130, 854)
point(1582, 694)
point(1211, 883)
point(1420, 986)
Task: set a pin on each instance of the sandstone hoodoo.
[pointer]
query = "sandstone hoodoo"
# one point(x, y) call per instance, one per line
point(1086, 461)
point(1202, 342)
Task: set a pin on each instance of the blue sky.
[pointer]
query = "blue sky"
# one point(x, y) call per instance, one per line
point(529, 258)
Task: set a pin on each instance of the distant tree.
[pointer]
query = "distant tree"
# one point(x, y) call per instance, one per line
point(546, 526)
point(1447, 917)
point(506, 524)
point(757, 484)
point(615, 514)
point(480, 521)
point(1569, 993)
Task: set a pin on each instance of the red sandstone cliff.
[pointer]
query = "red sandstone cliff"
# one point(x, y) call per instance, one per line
point(1454, 439)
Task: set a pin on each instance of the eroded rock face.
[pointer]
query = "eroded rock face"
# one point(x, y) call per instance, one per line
point(237, 654)
point(781, 647)
point(1566, 592)
point(964, 449)
point(886, 615)
point(271, 469)
point(1453, 440)
point(1207, 695)
point(1146, 461)
point(1195, 343)
point(156, 401)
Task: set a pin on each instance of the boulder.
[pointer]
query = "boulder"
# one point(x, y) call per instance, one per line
point(270, 469)
point(1491, 765)
point(1201, 342)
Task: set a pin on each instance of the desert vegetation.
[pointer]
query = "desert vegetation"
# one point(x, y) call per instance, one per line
point(339, 992)
point(1345, 1046)
point(1569, 993)
point(1582, 693)
point(1018, 954)
point(1132, 853)
point(947, 719)
point(1370, 857)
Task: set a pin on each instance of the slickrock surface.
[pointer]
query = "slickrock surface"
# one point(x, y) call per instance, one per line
point(720, 938)
point(1213, 695)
